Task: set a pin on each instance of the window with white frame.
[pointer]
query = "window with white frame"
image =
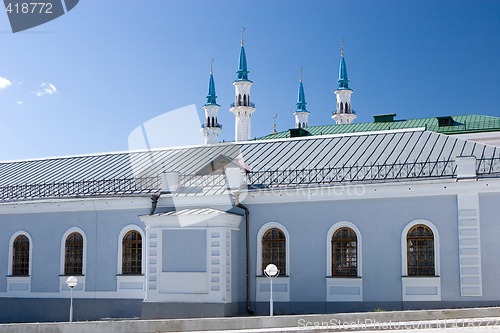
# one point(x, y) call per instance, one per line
point(132, 253)
point(420, 249)
point(21, 256)
point(273, 247)
point(343, 244)
point(344, 253)
point(73, 252)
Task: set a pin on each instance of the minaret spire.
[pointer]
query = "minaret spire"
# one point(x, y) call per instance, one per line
point(343, 113)
point(242, 108)
point(211, 128)
point(301, 114)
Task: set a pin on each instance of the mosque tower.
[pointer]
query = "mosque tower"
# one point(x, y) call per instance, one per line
point(211, 128)
point(242, 108)
point(343, 113)
point(301, 114)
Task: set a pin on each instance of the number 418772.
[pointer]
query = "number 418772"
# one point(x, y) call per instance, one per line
point(29, 8)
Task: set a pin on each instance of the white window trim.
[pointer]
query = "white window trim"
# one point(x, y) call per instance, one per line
point(11, 253)
point(404, 234)
point(359, 252)
point(260, 234)
point(63, 250)
point(123, 232)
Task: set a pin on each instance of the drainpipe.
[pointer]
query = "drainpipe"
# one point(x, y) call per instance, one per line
point(247, 253)
point(234, 183)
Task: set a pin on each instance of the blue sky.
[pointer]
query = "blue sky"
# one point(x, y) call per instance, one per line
point(80, 84)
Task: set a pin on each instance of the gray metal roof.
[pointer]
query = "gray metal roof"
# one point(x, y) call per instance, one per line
point(386, 155)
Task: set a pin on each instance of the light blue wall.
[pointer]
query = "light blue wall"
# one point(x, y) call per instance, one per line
point(101, 228)
point(184, 250)
point(380, 222)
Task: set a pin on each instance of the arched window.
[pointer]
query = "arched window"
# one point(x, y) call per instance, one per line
point(132, 253)
point(304, 124)
point(73, 259)
point(341, 107)
point(344, 253)
point(346, 107)
point(274, 249)
point(239, 100)
point(21, 256)
point(245, 100)
point(420, 251)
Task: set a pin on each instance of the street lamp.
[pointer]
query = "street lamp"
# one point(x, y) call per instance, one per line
point(71, 282)
point(271, 272)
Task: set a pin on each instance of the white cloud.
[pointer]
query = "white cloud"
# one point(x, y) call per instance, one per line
point(4, 83)
point(45, 89)
point(19, 102)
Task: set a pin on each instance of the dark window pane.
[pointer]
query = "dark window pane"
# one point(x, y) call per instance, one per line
point(274, 250)
point(21, 256)
point(132, 253)
point(344, 253)
point(73, 260)
point(420, 251)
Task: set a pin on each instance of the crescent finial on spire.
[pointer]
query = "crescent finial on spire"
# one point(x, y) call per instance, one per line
point(342, 47)
point(243, 36)
point(301, 73)
point(212, 65)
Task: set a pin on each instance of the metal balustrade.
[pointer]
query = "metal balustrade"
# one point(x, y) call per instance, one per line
point(486, 167)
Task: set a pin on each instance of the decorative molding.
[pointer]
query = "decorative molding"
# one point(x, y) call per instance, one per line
point(469, 244)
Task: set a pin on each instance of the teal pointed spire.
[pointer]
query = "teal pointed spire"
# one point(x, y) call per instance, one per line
point(343, 80)
point(211, 97)
point(301, 98)
point(242, 65)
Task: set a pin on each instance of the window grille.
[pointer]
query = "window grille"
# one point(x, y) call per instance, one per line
point(73, 263)
point(21, 256)
point(274, 250)
point(420, 251)
point(344, 253)
point(132, 253)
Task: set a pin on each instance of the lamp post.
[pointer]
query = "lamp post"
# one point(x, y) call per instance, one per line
point(271, 272)
point(71, 282)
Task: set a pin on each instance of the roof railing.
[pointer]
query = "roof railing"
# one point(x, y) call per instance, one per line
point(486, 167)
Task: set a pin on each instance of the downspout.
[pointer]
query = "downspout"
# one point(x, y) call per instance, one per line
point(235, 202)
point(247, 253)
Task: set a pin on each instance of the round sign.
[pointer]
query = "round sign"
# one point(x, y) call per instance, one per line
point(271, 270)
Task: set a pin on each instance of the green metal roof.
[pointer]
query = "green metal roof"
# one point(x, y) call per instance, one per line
point(449, 125)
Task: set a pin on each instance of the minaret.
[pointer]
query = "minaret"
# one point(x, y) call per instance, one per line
point(343, 113)
point(301, 113)
point(211, 128)
point(242, 108)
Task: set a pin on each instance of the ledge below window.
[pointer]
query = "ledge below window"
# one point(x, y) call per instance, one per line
point(281, 289)
point(344, 289)
point(17, 284)
point(421, 288)
point(129, 282)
